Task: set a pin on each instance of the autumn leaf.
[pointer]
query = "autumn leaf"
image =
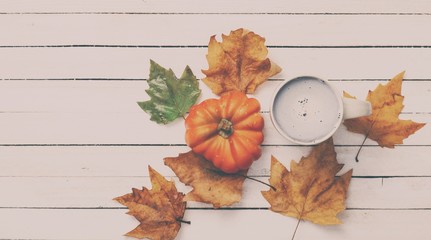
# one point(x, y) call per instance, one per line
point(210, 185)
point(384, 125)
point(160, 210)
point(239, 62)
point(310, 191)
point(170, 97)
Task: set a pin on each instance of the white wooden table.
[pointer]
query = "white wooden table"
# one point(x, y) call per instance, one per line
point(72, 136)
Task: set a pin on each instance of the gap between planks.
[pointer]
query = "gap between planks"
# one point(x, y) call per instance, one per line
point(224, 13)
point(205, 46)
point(209, 208)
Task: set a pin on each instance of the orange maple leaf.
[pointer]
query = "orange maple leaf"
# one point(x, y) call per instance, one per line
point(310, 191)
point(210, 185)
point(239, 62)
point(160, 210)
point(384, 125)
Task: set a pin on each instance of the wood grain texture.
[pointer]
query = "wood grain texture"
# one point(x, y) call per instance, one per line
point(120, 96)
point(116, 128)
point(131, 161)
point(279, 30)
point(97, 192)
point(72, 136)
point(112, 224)
point(220, 6)
point(133, 63)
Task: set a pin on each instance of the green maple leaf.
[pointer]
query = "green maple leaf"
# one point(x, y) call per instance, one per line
point(170, 97)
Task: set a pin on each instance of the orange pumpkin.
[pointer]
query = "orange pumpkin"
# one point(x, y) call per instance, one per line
point(226, 131)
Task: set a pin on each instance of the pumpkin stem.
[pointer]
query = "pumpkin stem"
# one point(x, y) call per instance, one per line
point(225, 128)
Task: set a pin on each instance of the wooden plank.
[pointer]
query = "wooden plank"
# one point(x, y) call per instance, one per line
point(56, 191)
point(132, 161)
point(248, 224)
point(93, 192)
point(121, 96)
point(221, 6)
point(285, 30)
point(135, 128)
point(331, 63)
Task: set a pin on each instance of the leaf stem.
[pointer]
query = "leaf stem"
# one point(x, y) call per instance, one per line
point(366, 136)
point(241, 175)
point(183, 221)
point(296, 228)
point(259, 181)
point(360, 148)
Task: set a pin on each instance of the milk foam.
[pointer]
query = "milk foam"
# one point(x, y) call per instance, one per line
point(307, 109)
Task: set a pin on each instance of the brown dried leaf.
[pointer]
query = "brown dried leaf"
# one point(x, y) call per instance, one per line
point(239, 62)
point(384, 125)
point(159, 210)
point(210, 185)
point(310, 191)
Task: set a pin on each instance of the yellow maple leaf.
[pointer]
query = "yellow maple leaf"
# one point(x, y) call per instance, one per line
point(310, 191)
point(210, 185)
point(239, 62)
point(384, 125)
point(160, 210)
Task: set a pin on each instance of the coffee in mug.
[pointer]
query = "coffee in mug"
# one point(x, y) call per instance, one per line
point(308, 110)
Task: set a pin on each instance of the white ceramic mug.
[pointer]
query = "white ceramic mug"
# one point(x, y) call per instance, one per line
point(308, 110)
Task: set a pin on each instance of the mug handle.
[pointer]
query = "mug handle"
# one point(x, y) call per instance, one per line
point(354, 108)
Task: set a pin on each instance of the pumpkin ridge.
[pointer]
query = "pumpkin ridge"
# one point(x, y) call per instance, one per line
point(241, 153)
point(211, 114)
point(199, 133)
point(245, 135)
point(230, 103)
point(247, 108)
point(226, 131)
point(252, 122)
